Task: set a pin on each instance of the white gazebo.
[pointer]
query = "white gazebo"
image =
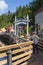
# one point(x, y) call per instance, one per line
point(20, 22)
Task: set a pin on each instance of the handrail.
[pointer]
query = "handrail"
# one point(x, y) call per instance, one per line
point(19, 54)
point(15, 46)
point(40, 45)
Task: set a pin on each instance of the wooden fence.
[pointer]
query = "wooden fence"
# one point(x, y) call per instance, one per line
point(40, 45)
point(16, 54)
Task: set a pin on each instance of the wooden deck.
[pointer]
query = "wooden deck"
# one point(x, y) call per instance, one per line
point(37, 59)
point(26, 48)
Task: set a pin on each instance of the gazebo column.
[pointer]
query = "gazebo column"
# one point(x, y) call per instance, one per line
point(15, 25)
point(27, 24)
point(15, 28)
point(27, 28)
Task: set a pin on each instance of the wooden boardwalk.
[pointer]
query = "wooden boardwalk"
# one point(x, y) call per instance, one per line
point(37, 59)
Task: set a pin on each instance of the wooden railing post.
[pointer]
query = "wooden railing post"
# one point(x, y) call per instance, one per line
point(9, 57)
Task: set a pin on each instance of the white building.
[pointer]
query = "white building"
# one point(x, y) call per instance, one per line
point(39, 17)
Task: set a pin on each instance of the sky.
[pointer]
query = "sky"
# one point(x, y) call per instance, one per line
point(6, 5)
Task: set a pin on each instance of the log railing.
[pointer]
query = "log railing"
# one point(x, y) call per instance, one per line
point(16, 54)
point(40, 45)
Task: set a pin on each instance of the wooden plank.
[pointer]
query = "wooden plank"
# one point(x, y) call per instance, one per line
point(22, 60)
point(40, 48)
point(3, 55)
point(40, 42)
point(15, 46)
point(40, 45)
point(22, 55)
point(3, 62)
point(22, 49)
point(16, 51)
point(24, 63)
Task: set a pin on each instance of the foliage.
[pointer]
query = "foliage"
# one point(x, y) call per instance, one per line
point(29, 29)
point(8, 18)
point(36, 4)
point(5, 20)
point(21, 12)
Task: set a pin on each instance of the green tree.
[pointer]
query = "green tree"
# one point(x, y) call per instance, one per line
point(5, 20)
point(19, 12)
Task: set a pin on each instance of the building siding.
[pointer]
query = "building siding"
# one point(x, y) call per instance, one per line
point(39, 19)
